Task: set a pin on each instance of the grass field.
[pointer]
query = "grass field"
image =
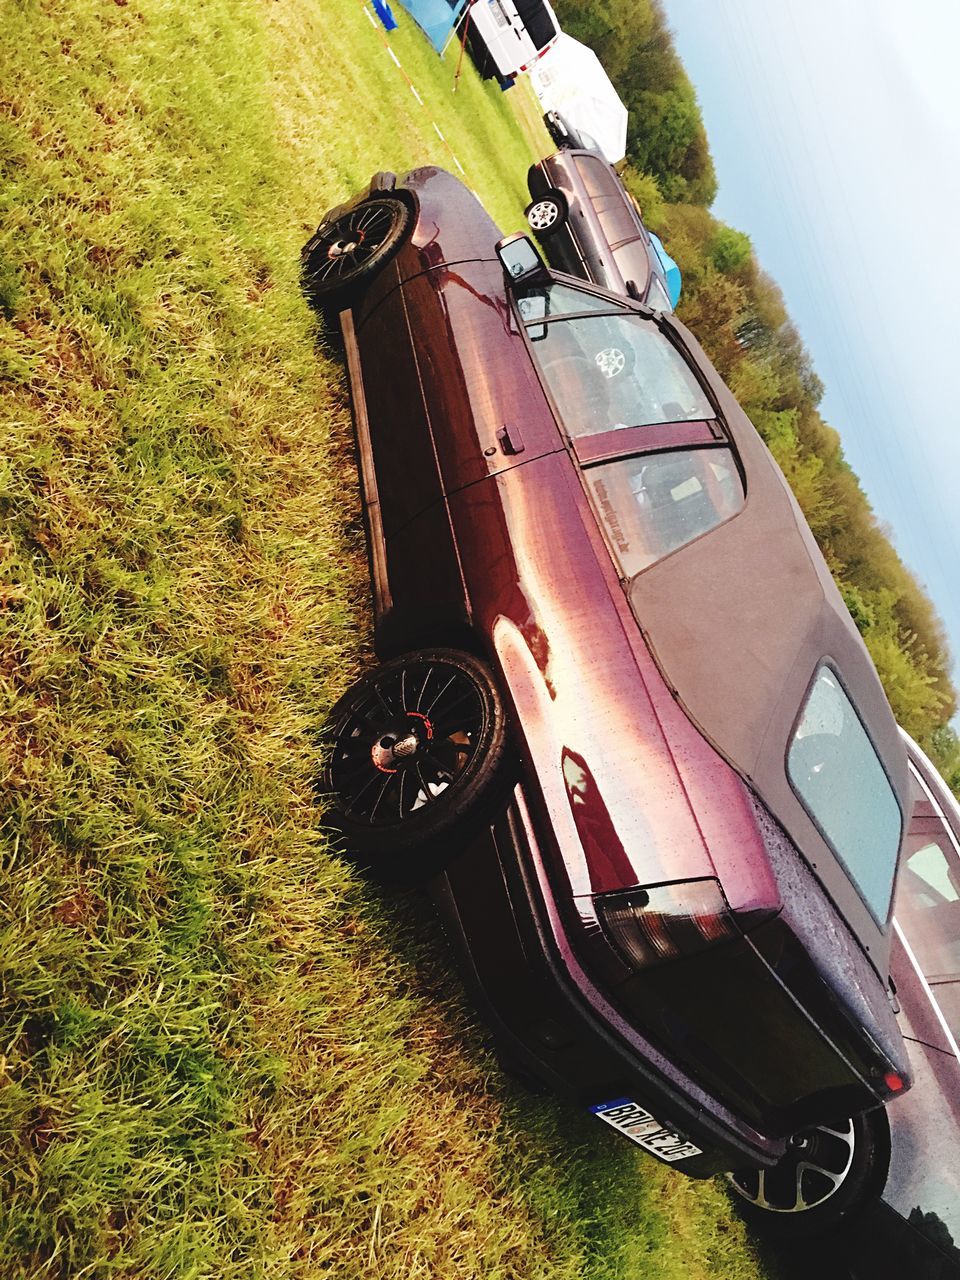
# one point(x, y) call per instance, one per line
point(221, 1055)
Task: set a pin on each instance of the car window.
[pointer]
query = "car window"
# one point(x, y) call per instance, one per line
point(598, 178)
point(932, 871)
point(537, 303)
point(654, 503)
point(633, 263)
point(840, 781)
point(657, 296)
point(618, 224)
point(610, 371)
point(535, 16)
point(928, 903)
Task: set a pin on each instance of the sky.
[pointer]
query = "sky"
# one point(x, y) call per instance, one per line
point(835, 130)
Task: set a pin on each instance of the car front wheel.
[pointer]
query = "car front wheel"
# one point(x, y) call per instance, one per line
point(347, 252)
point(829, 1172)
point(414, 753)
point(545, 215)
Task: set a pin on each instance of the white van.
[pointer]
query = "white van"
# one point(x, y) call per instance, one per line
point(514, 33)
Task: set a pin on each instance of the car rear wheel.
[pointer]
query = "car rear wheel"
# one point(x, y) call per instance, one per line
point(828, 1173)
point(346, 253)
point(415, 752)
point(545, 215)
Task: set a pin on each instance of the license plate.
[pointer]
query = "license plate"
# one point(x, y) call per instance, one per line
point(637, 1124)
point(499, 17)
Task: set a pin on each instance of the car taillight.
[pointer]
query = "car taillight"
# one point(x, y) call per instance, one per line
point(894, 1082)
point(665, 921)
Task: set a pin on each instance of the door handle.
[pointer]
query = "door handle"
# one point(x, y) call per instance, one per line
point(510, 440)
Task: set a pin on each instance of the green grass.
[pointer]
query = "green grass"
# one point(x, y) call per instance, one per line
point(222, 1055)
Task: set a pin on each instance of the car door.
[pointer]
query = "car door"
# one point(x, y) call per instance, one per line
point(408, 477)
point(476, 410)
point(486, 408)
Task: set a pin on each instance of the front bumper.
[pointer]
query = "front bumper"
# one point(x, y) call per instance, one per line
point(548, 1018)
point(556, 129)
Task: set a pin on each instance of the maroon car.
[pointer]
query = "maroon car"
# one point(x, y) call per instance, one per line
point(624, 722)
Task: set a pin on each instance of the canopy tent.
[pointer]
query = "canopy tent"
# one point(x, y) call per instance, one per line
point(570, 79)
point(435, 18)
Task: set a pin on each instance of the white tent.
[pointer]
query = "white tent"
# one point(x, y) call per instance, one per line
point(570, 79)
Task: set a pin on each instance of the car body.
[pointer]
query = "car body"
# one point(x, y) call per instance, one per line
point(912, 1226)
point(512, 34)
point(919, 1211)
point(635, 919)
point(597, 232)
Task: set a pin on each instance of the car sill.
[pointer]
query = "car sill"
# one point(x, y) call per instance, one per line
point(382, 598)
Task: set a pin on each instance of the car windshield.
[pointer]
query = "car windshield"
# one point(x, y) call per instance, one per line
point(610, 371)
point(834, 770)
point(652, 504)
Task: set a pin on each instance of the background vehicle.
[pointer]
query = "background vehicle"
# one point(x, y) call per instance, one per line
point(508, 36)
point(890, 1186)
point(590, 225)
point(566, 134)
point(629, 900)
point(572, 85)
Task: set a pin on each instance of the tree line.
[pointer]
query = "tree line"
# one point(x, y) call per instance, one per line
point(738, 314)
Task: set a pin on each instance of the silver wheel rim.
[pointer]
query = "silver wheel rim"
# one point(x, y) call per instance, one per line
point(543, 215)
point(813, 1170)
point(610, 361)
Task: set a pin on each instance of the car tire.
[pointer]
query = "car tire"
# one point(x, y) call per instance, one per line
point(415, 756)
point(346, 253)
point(546, 214)
point(829, 1174)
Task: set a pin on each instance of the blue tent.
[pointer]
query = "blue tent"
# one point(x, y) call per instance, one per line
point(670, 270)
point(436, 18)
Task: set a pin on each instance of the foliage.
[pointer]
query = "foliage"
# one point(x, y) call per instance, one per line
point(730, 249)
point(665, 137)
point(643, 187)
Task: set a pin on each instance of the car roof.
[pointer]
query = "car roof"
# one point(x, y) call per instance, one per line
point(741, 619)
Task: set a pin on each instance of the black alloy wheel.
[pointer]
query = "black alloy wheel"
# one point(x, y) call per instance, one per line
point(345, 254)
point(413, 750)
point(828, 1173)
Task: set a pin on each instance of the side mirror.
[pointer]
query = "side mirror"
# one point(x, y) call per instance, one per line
point(522, 263)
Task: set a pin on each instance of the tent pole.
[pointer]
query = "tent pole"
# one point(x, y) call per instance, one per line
point(463, 45)
point(453, 29)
